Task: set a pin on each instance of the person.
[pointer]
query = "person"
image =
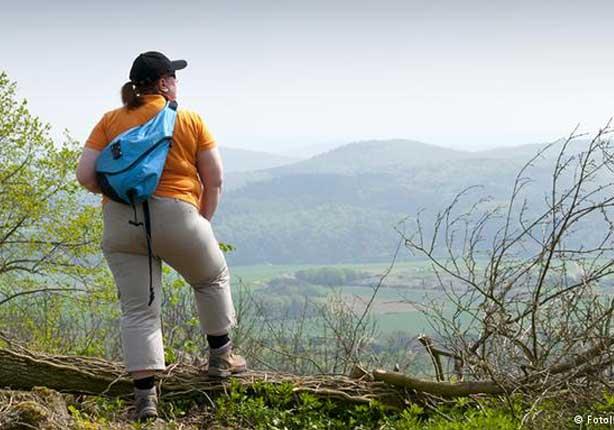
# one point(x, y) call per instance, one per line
point(181, 235)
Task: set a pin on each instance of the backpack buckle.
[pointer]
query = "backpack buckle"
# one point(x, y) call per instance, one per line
point(116, 150)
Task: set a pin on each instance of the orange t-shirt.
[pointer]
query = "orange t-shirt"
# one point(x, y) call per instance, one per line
point(180, 176)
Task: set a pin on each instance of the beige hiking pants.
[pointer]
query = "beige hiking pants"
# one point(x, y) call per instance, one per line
point(185, 241)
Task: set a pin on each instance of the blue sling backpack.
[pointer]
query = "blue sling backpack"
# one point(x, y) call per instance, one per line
point(129, 168)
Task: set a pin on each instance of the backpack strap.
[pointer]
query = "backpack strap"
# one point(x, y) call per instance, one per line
point(148, 238)
point(149, 252)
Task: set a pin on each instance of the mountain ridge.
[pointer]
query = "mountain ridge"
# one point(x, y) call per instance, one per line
point(343, 205)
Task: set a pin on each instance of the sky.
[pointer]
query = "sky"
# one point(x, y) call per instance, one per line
point(281, 75)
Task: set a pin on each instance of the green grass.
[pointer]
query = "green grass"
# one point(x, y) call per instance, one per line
point(267, 406)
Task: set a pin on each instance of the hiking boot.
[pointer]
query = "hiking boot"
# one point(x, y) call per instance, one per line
point(146, 404)
point(223, 362)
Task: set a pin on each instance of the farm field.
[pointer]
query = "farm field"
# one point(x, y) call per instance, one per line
point(395, 307)
point(408, 287)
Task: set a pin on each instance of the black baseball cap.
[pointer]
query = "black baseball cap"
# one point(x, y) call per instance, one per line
point(150, 66)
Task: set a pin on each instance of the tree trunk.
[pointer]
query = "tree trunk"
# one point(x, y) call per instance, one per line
point(444, 389)
point(21, 369)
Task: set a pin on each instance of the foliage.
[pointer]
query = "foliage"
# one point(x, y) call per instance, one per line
point(50, 270)
point(330, 276)
point(276, 407)
point(44, 228)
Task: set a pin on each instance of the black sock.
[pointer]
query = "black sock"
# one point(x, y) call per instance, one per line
point(216, 342)
point(144, 383)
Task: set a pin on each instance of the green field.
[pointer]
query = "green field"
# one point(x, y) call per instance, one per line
point(409, 287)
point(265, 272)
point(407, 322)
point(394, 309)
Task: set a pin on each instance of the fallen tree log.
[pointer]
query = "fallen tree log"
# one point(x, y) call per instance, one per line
point(444, 389)
point(599, 357)
point(21, 369)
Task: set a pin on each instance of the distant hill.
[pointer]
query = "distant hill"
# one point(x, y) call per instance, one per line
point(373, 155)
point(526, 152)
point(242, 160)
point(355, 158)
point(309, 151)
point(342, 205)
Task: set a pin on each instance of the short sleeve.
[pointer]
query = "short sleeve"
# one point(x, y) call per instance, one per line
point(98, 137)
point(205, 138)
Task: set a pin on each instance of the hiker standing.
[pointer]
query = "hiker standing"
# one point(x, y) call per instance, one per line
point(180, 212)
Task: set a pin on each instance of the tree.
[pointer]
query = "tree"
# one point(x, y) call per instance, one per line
point(528, 283)
point(47, 234)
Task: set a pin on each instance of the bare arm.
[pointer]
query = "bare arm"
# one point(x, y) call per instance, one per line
point(86, 170)
point(211, 172)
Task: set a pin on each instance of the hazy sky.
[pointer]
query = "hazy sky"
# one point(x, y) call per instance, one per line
point(276, 75)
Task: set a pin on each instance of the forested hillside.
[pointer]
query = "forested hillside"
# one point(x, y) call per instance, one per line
point(343, 205)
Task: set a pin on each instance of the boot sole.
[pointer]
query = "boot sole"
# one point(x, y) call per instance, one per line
point(147, 414)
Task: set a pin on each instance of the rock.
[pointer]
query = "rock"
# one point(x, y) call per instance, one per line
point(40, 408)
